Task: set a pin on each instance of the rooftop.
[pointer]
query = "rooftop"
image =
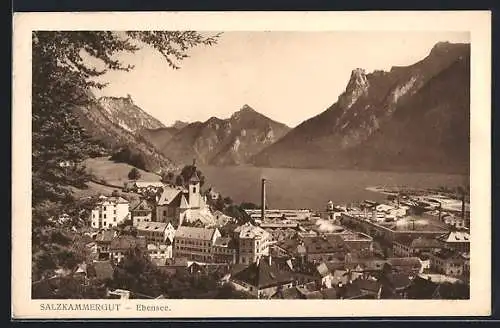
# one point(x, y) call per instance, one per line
point(194, 233)
point(152, 226)
point(455, 237)
point(263, 274)
point(250, 231)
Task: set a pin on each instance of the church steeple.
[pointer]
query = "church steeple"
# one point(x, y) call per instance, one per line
point(194, 188)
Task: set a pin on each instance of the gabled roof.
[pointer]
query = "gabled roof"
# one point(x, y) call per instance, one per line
point(143, 205)
point(168, 196)
point(194, 233)
point(261, 274)
point(184, 204)
point(456, 237)
point(250, 231)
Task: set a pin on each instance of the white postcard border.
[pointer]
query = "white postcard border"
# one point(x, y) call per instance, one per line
point(478, 23)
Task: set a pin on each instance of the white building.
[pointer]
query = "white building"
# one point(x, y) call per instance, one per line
point(109, 212)
point(253, 243)
point(160, 252)
point(156, 232)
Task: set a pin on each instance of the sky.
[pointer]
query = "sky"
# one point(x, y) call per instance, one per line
point(287, 76)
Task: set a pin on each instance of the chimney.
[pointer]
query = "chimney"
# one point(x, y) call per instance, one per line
point(194, 161)
point(263, 200)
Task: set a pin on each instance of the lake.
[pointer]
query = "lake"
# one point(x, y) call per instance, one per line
point(313, 188)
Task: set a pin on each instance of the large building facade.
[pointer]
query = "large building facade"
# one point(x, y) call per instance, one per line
point(109, 212)
point(253, 242)
point(195, 243)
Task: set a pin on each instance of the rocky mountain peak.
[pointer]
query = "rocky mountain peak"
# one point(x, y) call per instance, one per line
point(358, 85)
point(358, 78)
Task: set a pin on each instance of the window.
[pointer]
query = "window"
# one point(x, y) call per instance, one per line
point(104, 215)
point(114, 212)
point(164, 213)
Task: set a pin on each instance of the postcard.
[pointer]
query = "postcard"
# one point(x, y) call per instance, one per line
point(251, 164)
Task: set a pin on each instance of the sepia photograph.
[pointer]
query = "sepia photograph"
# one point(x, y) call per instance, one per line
point(258, 165)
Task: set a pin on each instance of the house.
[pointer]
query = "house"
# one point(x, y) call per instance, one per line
point(224, 250)
point(156, 232)
point(457, 240)
point(262, 278)
point(407, 265)
point(406, 246)
point(195, 243)
point(322, 248)
point(109, 212)
point(142, 212)
point(103, 241)
point(159, 252)
point(221, 218)
point(175, 205)
point(122, 246)
point(448, 262)
point(454, 221)
point(253, 242)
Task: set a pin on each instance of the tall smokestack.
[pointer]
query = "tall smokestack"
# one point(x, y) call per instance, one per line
point(263, 200)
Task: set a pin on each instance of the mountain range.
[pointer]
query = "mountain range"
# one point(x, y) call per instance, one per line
point(116, 122)
point(412, 118)
point(230, 141)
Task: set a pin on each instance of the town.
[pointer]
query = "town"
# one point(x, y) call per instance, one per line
point(414, 245)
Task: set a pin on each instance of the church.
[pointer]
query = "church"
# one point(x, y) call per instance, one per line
point(178, 204)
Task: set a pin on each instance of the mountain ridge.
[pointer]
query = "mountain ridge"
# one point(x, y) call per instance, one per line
point(219, 141)
point(371, 105)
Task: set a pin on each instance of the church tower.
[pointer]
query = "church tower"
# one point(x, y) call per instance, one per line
point(194, 189)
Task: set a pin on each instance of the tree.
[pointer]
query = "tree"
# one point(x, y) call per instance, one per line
point(188, 171)
point(179, 180)
point(62, 77)
point(134, 174)
point(168, 177)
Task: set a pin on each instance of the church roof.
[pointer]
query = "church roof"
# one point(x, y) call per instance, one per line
point(194, 178)
point(168, 196)
point(184, 204)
